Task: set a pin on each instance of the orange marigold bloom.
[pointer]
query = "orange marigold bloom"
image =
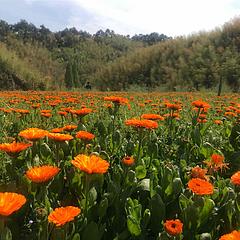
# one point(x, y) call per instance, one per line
point(90, 164)
point(62, 215)
point(198, 172)
point(152, 117)
point(62, 113)
point(235, 179)
point(200, 104)
point(46, 115)
point(10, 202)
point(173, 227)
point(81, 112)
point(69, 128)
point(231, 114)
point(173, 106)
point(57, 130)
point(141, 123)
point(202, 120)
point(33, 134)
point(85, 135)
point(59, 137)
point(118, 100)
point(200, 186)
point(216, 162)
point(42, 174)
point(22, 111)
point(218, 122)
point(14, 147)
point(234, 235)
point(128, 161)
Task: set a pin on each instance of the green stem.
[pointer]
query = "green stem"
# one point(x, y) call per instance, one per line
point(87, 179)
point(139, 144)
point(57, 153)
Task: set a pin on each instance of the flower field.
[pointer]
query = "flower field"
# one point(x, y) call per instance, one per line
point(119, 166)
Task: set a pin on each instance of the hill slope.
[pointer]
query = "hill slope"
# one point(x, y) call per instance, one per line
point(197, 61)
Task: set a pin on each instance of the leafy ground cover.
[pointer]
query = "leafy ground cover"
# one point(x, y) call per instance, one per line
point(119, 166)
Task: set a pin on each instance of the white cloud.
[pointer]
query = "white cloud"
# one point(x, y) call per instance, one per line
point(171, 17)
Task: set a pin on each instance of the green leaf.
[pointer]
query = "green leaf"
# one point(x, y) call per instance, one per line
point(133, 226)
point(102, 209)
point(158, 211)
point(76, 236)
point(141, 172)
point(91, 232)
point(144, 184)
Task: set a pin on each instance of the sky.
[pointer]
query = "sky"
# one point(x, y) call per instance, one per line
point(127, 17)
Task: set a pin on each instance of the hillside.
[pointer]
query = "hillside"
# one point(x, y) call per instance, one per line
point(43, 59)
point(199, 61)
point(36, 58)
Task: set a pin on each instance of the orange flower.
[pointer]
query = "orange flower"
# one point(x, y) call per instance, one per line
point(173, 106)
point(14, 148)
point(22, 111)
point(118, 100)
point(85, 135)
point(128, 161)
point(141, 123)
point(173, 227)
point(42, 174)
point(216, 162)
point(198, 172)
point(234, 235)
point(81, 112)
point(218, 122)
point(62, 215)
point(59, 137)
point(235, 179)
point(152, 117)
point(46, 115)
point(33, 134)
point(62, 113)
point(57, 130)
point(200, 104)
point(69, 128)
point(200, 186)
point(10, 202)
point(90, 164)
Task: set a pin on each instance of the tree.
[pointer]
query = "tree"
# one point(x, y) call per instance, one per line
point(69, 83)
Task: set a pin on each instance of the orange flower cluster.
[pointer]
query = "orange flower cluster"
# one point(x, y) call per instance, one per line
point(42, 174)
point(173, 227)
point(141, 123)
point(128, 161)
point(152, 117)
point(10, 202)
point(58, 137)
point(84, 135)
point(90, 164)
point(235, 179)
point(14, 148)
point(200, 186)
point(33, 134)
point(118, 100)
point(234, 235)
point(62, 215)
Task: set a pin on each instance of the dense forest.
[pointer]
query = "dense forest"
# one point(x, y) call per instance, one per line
point(37, 58)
